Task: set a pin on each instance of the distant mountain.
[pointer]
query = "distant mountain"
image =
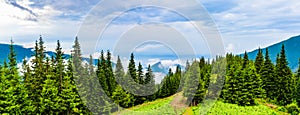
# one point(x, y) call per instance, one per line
point(292, 47)
point(160, 68)
point(29, 52)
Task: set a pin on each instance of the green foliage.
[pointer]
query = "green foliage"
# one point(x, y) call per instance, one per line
point(221, 108)
point(293, 109)
point(284, 79)
point(268, 77)
point(259, 61)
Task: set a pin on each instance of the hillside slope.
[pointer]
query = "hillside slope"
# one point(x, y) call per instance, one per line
point(292, 47)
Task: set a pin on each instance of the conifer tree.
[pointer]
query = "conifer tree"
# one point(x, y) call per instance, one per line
point(149, 80)
point(110, 78)
point(132, 69)
point(119, 71)
point(259, 60)
point(49, 99)
point(91, 66)
point(15, 96)
point(268, 77)
point(140, 74)
point(245, 60)
point(59, 65)
point(297, 90)
point(285, 80)
point(101, 67)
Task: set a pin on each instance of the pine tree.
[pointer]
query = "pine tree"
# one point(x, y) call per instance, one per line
point(285, 80)
point(111, 82)
point(120, 96)
point(71, 102)
point(101, 67)
point(49, 99)
point(140, 74)
point(119, 72)
point(194, 94)
point(132, 69)
point(38, 75)
point(245, 60)
point(259, 60)
point(14, 96)
point(76, 56)
point(268, 77)
point(297, 91)
point(59, 65)
point(149, 80)
point(91, 66)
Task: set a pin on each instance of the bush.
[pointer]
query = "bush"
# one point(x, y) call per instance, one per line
point(282, 109)
point(293, 109)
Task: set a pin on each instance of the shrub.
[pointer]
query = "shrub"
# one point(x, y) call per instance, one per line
point(293, 109)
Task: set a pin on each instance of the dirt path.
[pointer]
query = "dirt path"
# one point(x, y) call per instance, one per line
point(179, 103)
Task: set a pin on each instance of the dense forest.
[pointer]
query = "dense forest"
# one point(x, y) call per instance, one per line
point(51, 85)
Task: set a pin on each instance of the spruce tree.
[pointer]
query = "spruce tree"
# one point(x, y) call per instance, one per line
point(132, 69)
point(149, 80)
point(101, 67)
point(140, 74)
point(245, 60)
point(91, 66)
point(297, 90)
point(268, 77)
point(119, 71)
point(49, 100)
point(59, 65)
point(285, 80)
point(259, 60)
point(110, 78)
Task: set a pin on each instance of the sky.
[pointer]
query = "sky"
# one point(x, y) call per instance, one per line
point(243, 25)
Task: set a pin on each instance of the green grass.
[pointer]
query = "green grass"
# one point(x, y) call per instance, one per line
point(163, 107)
point(157, 107)
point(221, 108)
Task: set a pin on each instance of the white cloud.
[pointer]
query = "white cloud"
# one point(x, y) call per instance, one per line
point(148, 46)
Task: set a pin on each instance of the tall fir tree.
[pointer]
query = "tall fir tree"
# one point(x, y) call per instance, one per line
point(259, 61)
point(131, 68)
point(268, 77)
point(150, 81)
point(59, 65)
point(285, 82)
point(140, 74)
point(109, 74)
point(101, 67)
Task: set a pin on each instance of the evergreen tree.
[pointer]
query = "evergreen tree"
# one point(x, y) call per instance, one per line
point(119, 71)
point(101, 67)
point(120, 96)
point(268, 77)
point(297, 91)
point(111, 82)
point(132, 69)
point(245, 60)
point(149, 80)
point(284, 80)
point(259, 60)
point(91, 66)
point(49, 99)
point(76, 56)
point(140, 74)
point(14, 96)
point(194, 94)
point(59, 65)
point(38, 75)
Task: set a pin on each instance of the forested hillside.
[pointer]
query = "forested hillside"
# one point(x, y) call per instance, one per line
point(51, 86)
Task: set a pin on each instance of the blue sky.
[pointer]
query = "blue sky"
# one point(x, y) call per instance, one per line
point(244, 25)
